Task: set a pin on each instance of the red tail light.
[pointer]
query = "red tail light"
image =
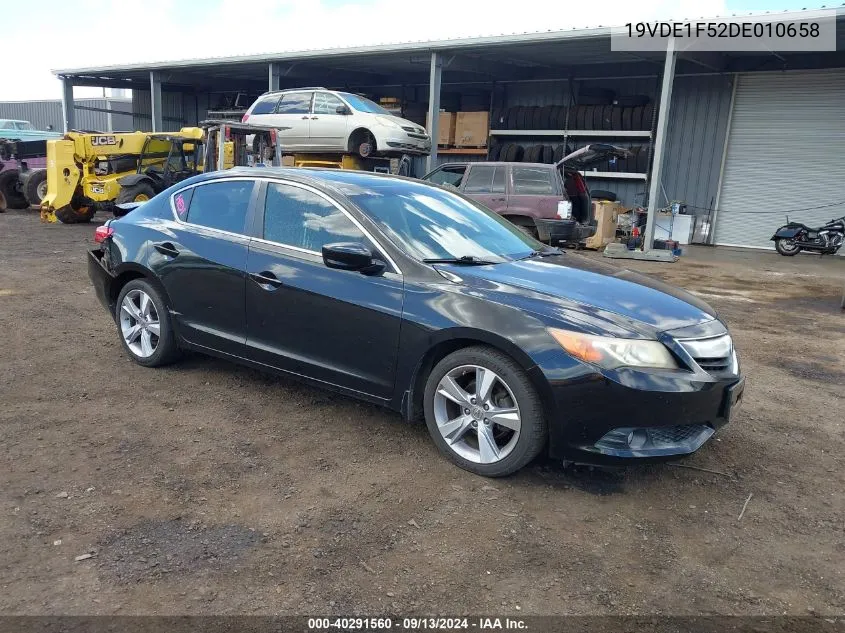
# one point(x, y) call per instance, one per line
point(102, 233)
point(245, 118)
point(580, 185)
point(273, 136)
point(228, 132)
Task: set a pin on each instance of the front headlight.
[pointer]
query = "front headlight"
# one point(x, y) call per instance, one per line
point(388, 122)
point(610, 353)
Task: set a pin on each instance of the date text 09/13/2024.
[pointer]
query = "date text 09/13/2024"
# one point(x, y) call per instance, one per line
point(416, 624)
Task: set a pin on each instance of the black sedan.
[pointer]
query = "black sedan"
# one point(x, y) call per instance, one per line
point(419, 299)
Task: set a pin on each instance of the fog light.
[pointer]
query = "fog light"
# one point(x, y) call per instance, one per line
point(637, 438)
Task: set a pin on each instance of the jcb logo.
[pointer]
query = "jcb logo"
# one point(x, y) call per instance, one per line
point(103, 140)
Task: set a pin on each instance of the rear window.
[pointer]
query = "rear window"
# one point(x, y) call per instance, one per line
point(217, 205)
point(533, 180)
point(265, 105)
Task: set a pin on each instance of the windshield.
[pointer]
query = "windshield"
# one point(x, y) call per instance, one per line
point(430, 223)
point(362, 104)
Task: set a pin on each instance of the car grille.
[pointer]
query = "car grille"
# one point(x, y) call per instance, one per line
point(674, 434)
point(715, 355)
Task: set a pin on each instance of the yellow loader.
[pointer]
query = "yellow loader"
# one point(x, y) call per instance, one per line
point(91, 171)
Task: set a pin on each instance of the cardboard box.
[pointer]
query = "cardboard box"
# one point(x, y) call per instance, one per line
point(472, 129)
point(445, 128)
point(605, 212)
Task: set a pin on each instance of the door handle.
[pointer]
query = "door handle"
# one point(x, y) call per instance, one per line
point(266, 278)
point(498, 199)
point(306, 117)
point(166, 248)
point(314, 118)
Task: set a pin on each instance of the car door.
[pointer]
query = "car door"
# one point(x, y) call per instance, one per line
point(336, 326)
point(486, 184)
point(535, 191)
point(202, 262)
point(328, 127)
point(294, 113)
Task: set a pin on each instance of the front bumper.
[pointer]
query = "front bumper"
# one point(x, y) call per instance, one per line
point(101, 278)
point(646, 416)
point(406, 144)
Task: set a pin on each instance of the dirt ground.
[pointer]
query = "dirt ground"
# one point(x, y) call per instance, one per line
point(208, 488)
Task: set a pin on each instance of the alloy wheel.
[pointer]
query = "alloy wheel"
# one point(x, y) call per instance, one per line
point(477, 414)
point(139, 323)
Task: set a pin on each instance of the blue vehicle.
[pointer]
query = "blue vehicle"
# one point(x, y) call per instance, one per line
point(15, 130)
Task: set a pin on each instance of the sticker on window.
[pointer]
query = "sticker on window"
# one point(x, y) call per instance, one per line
point(181, 207)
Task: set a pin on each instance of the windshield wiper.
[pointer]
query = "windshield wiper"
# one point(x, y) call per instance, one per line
point(464, 260)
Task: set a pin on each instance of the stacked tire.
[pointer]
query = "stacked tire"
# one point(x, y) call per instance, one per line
point(626, 113)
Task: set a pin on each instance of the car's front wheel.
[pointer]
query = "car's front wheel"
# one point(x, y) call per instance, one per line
point(144, 324)
point(483, 412)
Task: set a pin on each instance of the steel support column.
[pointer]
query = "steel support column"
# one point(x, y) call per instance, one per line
point(275, 74)
point(434, 107)
point(660, 143)
point(155, 102)
point(68, 112)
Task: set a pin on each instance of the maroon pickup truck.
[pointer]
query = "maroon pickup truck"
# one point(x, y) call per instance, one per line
point(534, 196)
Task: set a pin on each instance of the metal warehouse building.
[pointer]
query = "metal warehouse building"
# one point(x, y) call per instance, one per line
point(106, 114)
point(740, 138)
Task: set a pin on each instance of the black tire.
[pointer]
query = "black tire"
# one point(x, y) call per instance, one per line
point(536, 118)
point(167, 349)
point(10, 187)
point(626, 118)
point(534, 154)
point(562, 121)
point(546, 117)
point(782, 247)
point(509, 153)
point(511, 118)
point(598, 115)
point(588, 117)
point(607, 117)
point(140, 192)
point(601, 194)
point(522, 118)
point(532, 434)
point(648, 115)
point(637, 118)
point(3, 205)
point(616, 118)
point(548, 154)
point(495, 119)
point(35, 186)
point(77, 212)
point(494, 152)
point(642, 159)
point(559, 152)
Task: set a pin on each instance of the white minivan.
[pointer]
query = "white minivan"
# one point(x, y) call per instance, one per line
point(321, 120)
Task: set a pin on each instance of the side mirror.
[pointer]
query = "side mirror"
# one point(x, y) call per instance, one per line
point(351, 256)
point(342, 109)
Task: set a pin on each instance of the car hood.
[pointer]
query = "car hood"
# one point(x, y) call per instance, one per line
point(572, 287)
point(418, 129)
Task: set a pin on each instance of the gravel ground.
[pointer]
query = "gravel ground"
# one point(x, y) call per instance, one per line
point(208, 488)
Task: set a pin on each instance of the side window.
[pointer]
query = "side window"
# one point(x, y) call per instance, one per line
point(480, 179)
point(297, 217)
point(295, 103)
point(265, 105)
point(499, 179)
point(325, 103)
point(217, 205)
point(7, 125)
point(532, 180)
point(451, 176)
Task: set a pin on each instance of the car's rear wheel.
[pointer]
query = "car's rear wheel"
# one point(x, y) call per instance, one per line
point(144, 324)
point(483, 413)
point(787, 247)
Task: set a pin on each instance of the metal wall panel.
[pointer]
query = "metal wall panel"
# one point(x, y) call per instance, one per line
point(171, 106)
point(49, 112)
point(785, 151)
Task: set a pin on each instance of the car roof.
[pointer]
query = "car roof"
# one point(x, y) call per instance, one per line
point(312, 175)
point(497, 163)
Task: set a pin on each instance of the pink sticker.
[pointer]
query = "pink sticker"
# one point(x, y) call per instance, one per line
point(180, 205)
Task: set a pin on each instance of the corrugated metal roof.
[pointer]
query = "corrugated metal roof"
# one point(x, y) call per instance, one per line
point(536, 37)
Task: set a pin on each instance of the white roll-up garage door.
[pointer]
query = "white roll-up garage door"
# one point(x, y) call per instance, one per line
point(786, 153)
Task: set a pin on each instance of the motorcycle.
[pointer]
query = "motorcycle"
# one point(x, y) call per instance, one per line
point(794, 237)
